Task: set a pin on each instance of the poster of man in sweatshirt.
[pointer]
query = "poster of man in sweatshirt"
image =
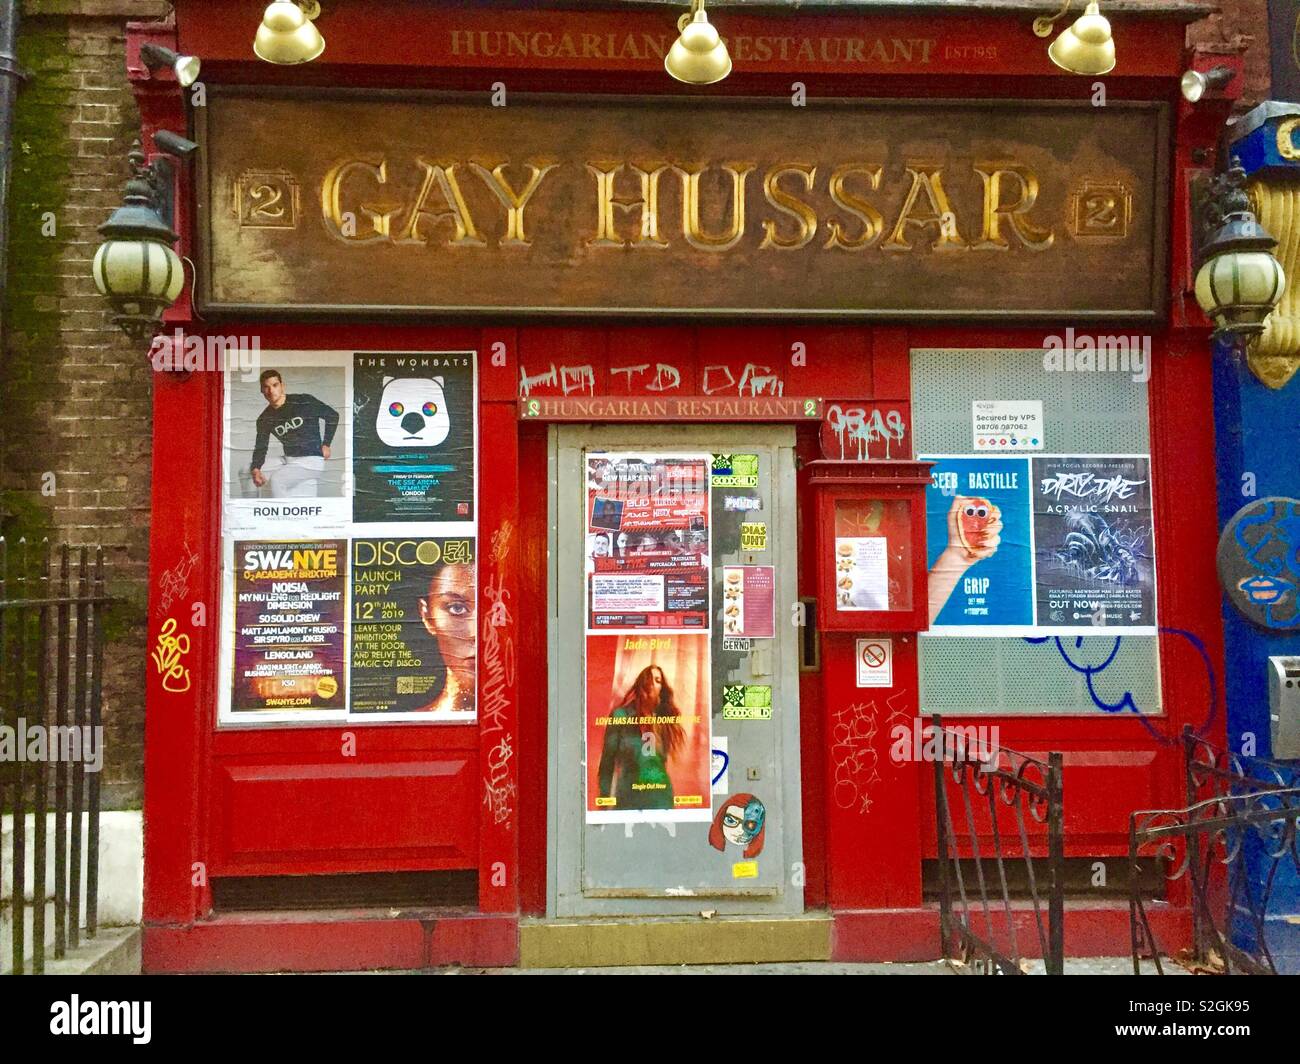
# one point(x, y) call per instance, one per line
point(286, 434)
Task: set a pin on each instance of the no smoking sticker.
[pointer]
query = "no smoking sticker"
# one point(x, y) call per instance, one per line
point(875, 662)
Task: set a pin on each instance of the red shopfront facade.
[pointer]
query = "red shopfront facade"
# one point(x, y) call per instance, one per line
point(818, 354)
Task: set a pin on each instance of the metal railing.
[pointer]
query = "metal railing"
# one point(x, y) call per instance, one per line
point(998, 793)
point(1224, 851)
point(51, 669)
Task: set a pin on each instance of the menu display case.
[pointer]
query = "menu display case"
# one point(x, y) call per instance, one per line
point(870, 544)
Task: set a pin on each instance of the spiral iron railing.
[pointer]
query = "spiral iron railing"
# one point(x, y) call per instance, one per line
point(1009, 809)
point(1204, 849)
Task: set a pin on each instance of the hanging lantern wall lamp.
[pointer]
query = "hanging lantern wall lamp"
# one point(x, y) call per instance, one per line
point(1238, 280)
point(136, 267)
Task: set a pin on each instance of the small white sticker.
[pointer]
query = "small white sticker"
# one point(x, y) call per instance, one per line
point(875, 662)
point(1006, 425)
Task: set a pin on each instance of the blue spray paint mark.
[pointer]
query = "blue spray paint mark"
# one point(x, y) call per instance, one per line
point(1126, 701)
point(726, 760)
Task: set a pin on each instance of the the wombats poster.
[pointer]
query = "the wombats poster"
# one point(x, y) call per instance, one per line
point(413, 437)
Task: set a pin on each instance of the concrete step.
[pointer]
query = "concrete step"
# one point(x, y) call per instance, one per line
point(604, 943)
point(121, 878)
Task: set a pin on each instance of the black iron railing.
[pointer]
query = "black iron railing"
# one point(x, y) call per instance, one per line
point(1226, 853)
point(51, 669)
point(1222, 853)
point(989, 801)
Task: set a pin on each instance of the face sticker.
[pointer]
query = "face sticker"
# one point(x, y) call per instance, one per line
point(740, 821)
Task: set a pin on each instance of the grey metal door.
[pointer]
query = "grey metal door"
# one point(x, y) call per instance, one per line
point(661, 868)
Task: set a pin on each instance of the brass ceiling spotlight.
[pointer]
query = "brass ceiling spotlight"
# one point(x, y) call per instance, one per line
point(185, 67)
point(1195, 83)
point(1086, 47)
point(288, 33)
point(698, 56)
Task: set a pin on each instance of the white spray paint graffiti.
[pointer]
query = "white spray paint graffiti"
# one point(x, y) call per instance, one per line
point(174, 583)
point(855, 425)
point(854, 755)
point(666, 377)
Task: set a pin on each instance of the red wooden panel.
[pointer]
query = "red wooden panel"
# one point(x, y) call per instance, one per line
point(232, 944)
point(831, 361)
point(346, 817)
point(891, 362)
point(1101, 788)
point(531, 616)
point(652, 360)
point(475, 942)
point(913, 935)
point(872, 813)
point(498, 365)
point(497, 809)
point(743, 360)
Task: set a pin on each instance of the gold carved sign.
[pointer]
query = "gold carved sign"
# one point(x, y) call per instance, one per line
point(358, 205)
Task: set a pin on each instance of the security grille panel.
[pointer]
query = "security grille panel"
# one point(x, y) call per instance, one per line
point(1085, 412)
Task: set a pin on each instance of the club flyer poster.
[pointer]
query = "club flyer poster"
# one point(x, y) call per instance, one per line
point(290, 626)
point(648, 545)
point(648, 728)
point(413, 648)
point(978, 526)
point(414, 437)
point(1094, 541)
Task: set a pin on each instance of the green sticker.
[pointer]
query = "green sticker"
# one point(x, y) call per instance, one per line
point(735, 471)
point(747, 713)
point(749, 695)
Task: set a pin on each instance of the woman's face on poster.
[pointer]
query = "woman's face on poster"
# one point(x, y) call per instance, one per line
point(448, 615)
point(652, 684)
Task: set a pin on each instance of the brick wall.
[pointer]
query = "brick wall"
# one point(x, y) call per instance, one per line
point(76, 392)
point(1240, 22)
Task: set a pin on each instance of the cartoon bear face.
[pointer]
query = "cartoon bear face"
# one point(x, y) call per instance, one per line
point(412, 412)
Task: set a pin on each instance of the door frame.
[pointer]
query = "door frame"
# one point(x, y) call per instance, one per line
point(565, 810)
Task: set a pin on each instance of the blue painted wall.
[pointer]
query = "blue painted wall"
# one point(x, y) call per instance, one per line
point(1257, 430)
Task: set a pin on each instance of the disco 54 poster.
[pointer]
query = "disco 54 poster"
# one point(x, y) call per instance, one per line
point(414, 642)
point(413, 437)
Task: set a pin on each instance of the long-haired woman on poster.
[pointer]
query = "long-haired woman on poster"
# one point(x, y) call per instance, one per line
point(634, 761)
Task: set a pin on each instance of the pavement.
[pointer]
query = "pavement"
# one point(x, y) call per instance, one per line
point(1073, 966)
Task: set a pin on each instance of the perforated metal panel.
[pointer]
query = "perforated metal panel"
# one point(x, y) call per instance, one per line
point(1083, 413)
